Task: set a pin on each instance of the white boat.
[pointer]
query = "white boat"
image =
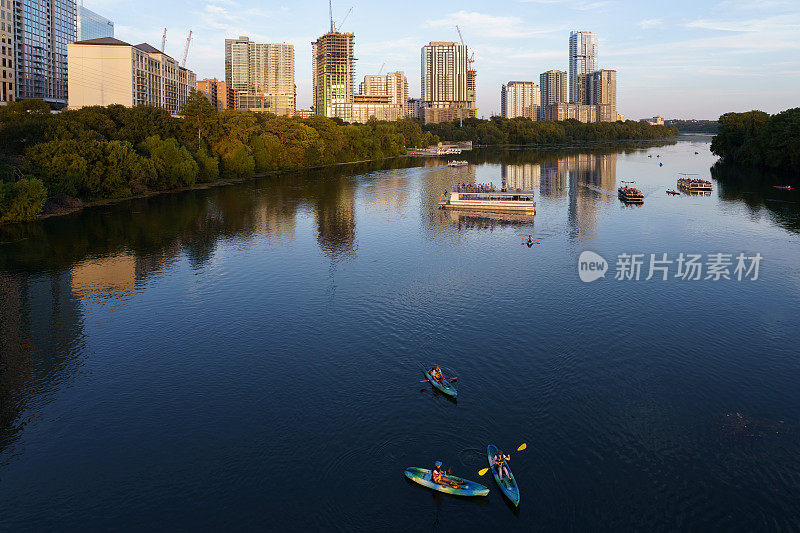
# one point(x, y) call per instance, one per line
point(457, 164)
point(520, 201)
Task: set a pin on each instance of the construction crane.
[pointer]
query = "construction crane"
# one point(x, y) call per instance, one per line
point(339, 27)
point(164, 40)
point(330, 9)
point(186, 49)
point(470, 59)
point(381, 70)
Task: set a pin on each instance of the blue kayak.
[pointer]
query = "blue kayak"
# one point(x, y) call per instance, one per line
point(508, 484)
point(444, 386)
point(455, 485)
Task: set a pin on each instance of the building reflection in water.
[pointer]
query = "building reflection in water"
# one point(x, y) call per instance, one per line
point(527, 176)
point(41, 339)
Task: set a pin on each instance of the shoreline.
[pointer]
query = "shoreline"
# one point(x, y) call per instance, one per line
point(224, 182)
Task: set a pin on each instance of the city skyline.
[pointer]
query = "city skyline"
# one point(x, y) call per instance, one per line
point(698, 60)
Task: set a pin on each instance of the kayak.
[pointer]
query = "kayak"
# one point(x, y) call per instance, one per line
point(445, 386)
point(508, 485)
point(457, 486)
point(783, 187)
point(673, 193)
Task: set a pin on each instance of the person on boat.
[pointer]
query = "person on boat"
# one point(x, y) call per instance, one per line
point(437, 373)
point(499, 463)
point(437, 473)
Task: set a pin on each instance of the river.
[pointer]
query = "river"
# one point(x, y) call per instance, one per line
point(247, 356)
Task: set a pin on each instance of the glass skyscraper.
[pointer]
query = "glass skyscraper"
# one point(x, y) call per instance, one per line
point(42, 32)
point(582, 61)
point(90, 25)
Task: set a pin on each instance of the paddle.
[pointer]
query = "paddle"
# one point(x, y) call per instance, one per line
point(448, 379)
point(483, 471)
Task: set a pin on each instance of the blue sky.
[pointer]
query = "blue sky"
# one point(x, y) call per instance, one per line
point(680, 58)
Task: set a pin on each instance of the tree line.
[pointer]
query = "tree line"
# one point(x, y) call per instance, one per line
point(524, 131)
point(99, 153)
point(757, 139)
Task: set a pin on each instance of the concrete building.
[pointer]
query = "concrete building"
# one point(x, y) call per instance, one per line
point(393, 84)
point(333, 73)
point(218, 93)
point(553, 88)
point(655, 121)
point(566, 111)
point(42, 31)
point(601, 90)
point(109, 71)
point(520, 99)
point(582, 60)
point(414, 108)
point(7, 70)
point(261, 75)
point(303, 113)
point(90, 25)
point(448, 84)
point(381, 107)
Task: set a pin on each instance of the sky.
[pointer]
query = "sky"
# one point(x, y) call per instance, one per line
point(680, 59)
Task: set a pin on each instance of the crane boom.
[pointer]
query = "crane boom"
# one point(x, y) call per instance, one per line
point(460, 36)
point(345, 18)
point(330, 10)
point(186, 50)
point(163, 40)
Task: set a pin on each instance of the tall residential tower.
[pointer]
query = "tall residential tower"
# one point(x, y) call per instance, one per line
point(90, 25)
point(582, 61)
point(261, 75)
point(520, 99)
point(448, 84)
point(7, 81)
point(553, 86)
point(42, 31)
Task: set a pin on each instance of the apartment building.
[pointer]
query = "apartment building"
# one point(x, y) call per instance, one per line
point(448, 83)
point(261, 75)
point(90, 25)
point(7, 70)
point(108, 71)
point(520, 99)
point(393, 84)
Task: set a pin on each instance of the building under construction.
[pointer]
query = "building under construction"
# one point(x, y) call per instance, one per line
point(334, 74)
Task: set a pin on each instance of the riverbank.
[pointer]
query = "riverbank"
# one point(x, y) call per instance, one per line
point(757, 139)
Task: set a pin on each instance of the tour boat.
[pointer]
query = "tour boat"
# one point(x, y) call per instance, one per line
point(457, 164)
point(504, 200)
point(630, 195)
point(694, 185)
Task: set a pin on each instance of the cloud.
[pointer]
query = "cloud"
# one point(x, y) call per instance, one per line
point(491, 26)
point(647, 24)
point(577, 5)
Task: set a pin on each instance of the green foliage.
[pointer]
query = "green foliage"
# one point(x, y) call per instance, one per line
point(208, 166)
point(22, 200)
point(175, 166)
point(760, 140)
point(523, 131)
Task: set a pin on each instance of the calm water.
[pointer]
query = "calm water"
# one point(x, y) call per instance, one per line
point(247, 356)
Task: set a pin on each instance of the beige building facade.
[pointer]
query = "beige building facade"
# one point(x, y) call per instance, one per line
point(109, 71)
point(393, 84)
point(261, 75)
point(448, 83)
point(520, 99)
point(564, 111)
point(553, 87)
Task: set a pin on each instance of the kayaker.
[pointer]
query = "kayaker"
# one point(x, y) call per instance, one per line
point(437, 473)
point(437, 373)
point(499, 463)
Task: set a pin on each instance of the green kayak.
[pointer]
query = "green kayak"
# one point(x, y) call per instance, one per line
point(445, 386)
point(508, 484)
point(456, 486)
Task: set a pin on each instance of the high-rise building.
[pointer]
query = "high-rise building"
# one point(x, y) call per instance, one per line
point(415, 107)
point(334, 74)
point(448, 84)
point(90, 25)
point(7, 71)
point(261, 75)
point(109, 71)
point(553, 87)
point(208, 87)
point(601, 90)
point(582, 60)
point(520, 99)
point(42, 31)
point(393, 84)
